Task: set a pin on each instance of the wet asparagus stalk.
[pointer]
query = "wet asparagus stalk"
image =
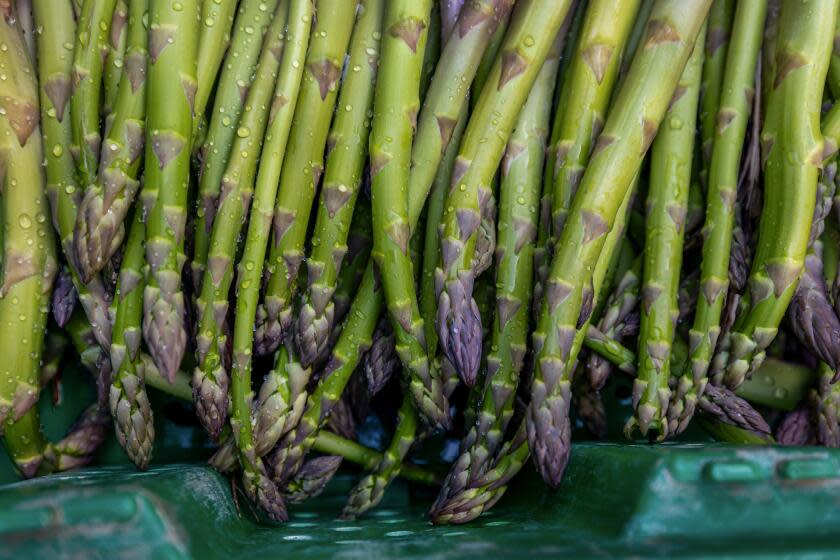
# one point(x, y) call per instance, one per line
point(804, 39)
point(299, 183)
point(55, 64)
point(671, 32)
point(733, 113)
point(346, 151)
point(487, 132)
point(667, 200)
point(250, 25)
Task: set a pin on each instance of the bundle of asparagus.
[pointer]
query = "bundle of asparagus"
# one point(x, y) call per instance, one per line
point(472, 207)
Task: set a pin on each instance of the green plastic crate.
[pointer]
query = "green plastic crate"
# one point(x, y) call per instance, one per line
point(687, 500)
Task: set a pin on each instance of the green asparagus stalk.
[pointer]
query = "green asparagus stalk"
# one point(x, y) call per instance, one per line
point(359, 242)
point(834, 65)
point(514, 72)
point(346, 151)
point(237, 73)
point(354, 340)
point(638, 109)
point(28, 259)
point(734, 111)
point(257, 482)
point(768, 49)
point(99, 227)
point(129, 402)
point(518, 214)
point(582, 105)
point(173, 38)
point(714, 67)
point(299, 182)
point(667, 202)
point(280, 404)
point(57, 28)
point(395, 111)
point(370, 490)
point(91, 46)
point(482, 72)
point(827, 407)
point(793, 153)
point(620, 305)
point(115, 59)
point(210, 377)
point(213, 40)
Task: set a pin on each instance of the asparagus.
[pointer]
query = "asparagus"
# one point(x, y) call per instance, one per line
point(341, 421)
point(827, 401)
point(583, 102)
point(64, 297)
point(390, 151)
point(210, 376)
point(515, 69)
point(346, 151)
point(55, 63)
point(718, 35)
point(173, 38)
point(733, 114)
point(280, 404)
point(796, 427)
point(359, 242)
point(811, 314)
point(237, 73)
point(369, 491)
point(311, 479)
point(261, 488)
point(129, 402)
point(793, 154)
point(834, 65)
point(299, 182)
point(520, 193)
point(639, 108)
point(381, 362)
point(28, 259)
point(91, 46)
point(99, 228)
point(667, 200)
point(213, 39)
point(115, 59)
point(620, 306)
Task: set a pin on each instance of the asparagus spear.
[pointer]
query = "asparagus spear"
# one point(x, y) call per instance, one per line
point(99, 228)
point(369, 491)
point(129, 402)
point(793, 153)
point(381, 361)
point(827, 405)
point(520, 193)
point(390, 150)
point(834, 64)
point(57, 28)
point(91, 46)
point(299, 182)
point(346, 151)
point(359, 242)
point(213, 39)
point(28, 259)
point(621, 304)
point(734, 110)
point(173, 38)
point(583, 102)
point(639, 108)
point(311, 479)
point(115, 59)
point(261, 488)
point(515, 69)
point(667, 201)
point(237, 73)
point(210, 376)
point(714, 67)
